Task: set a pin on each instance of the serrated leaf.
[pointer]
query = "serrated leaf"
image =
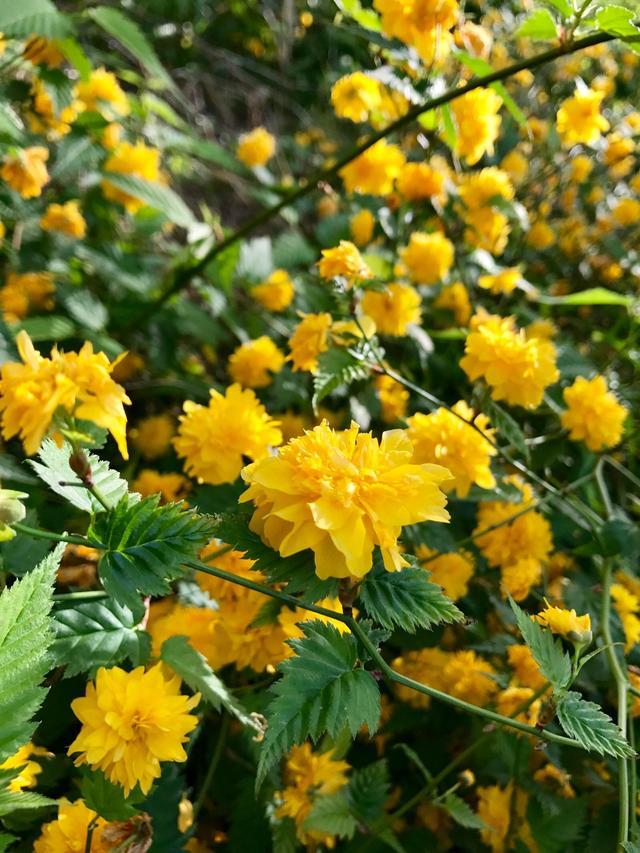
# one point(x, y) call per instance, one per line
point(368, 791)
point(53, 467)
point(406, 599)
point(587, 723)
point(53, 327)
point(193, 668)
point(320, 690)
point(554, 662)
point(11, 469)
point(145, 546)
point(29, 17)
point(462, 812)
point(25, 635)
point(106, 798)
point(13, 801)
point(292, 249)
point(332, 814)
point(75, 155)
point(507, 427)
point(557, 832)
point(539, 26)
point(157, 196)
point(616, 20)
point(296, 572)
point(336, 367)
point(87, 309)
point(97, 633)
point(563, 6)
point(128, 33)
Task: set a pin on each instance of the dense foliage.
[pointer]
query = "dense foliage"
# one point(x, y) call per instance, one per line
point(319, 351)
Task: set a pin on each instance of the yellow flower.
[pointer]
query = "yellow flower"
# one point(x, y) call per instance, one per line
point(393, 309)
point(45, 118)
point(25, 292)
point(618, 155)
point(579, 119)
point(345, 261)
point(478, 189)
point(626, 212)
point(214, 438)
point(505, 281)
point(310, 338)
point(527, 672)
point(487, 229)
point(375, 170)
point(152, 436)
point(559, 778)
point(131, 721)
point(308, 775)
point(80, 383)
point(393, 399)
point(477, 119)
point(567, 623)
point(455, 298)
point(528, 535)
point(22, 760)
point(256, 147)
point(68, 833)
point(501, 809)
point(515, 165)
point(593, 415)
point(462, 674)
point(137, 160)
point(101, 93)
point(42, 51)
point(420, 180)
point(171, 486)
point(289, 620)
point(581, 168)
point(361, 227)
point(511, 699)
point(25, 171)
point(627, 607)
point(424, 24)
point(195, 623)
point(428, 257)
point(451, 571)
point(341, 494)
point(444, 438)
point(111, 136)
point(517, 578)
point(355, 96)
point(541, 235)
point(253, 362)
point(276, 293)
point(65, 218)
point(516, 369)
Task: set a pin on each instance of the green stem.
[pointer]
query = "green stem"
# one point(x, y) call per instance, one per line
point(81, 595)
point(182, 276)
point(213, 766)
point(36, 533)
point(620, 679)
point(604, 491)
point(95, 491)
point(391, 674)
point(90, 831)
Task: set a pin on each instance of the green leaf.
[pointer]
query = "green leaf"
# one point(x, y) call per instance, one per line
point(145, 546)
point(367, 18)
point(554, 662)
point(540, 26)
point(620, 537)
point(292, 249)
point(296, 572)
point(87, 309)
point(507, 427)
point(406, 599)
point(336, 367)
point(193, 668)
point(320, 691)
point(587, 723)
point(157, 196)
point(11, 469)
point(368, 791)
point(6, 841)
point(54, 327)
point(76, 56)
point(75, 155)
point(53, 467)
point(591, 296)
point(97, 633)
point(221, 270)
point(332, 814)
point(25, 635)
point(462, 812)
point(556, 832)
point(105, 798)
point(563, 6)
point(131, 37)
point(13, 801)
point(29, 17)
point(616, 20)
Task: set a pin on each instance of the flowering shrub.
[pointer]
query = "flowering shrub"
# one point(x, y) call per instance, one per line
point(319, 349)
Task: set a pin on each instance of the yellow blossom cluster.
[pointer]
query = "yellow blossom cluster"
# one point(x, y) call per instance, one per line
point(463, 674)
point(593, 414)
